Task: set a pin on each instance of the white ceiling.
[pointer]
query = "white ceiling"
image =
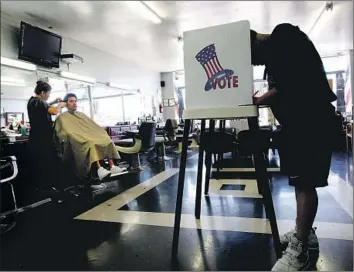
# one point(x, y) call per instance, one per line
point(113, 27)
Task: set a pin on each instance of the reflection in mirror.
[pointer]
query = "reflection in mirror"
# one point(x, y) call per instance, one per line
point(14, 117)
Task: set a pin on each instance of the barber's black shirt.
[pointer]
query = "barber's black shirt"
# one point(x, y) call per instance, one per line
point(296, 70)
point(41, 121)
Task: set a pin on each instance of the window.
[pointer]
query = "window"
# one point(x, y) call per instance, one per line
point(335, 63)
point(133, 108)
point(107, 111)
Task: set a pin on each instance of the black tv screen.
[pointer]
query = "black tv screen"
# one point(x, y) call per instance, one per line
point(39, 46)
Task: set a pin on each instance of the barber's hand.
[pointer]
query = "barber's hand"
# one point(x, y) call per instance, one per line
point(62, 104)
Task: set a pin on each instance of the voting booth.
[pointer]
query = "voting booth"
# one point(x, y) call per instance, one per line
point(218, 71)
point(219, 86)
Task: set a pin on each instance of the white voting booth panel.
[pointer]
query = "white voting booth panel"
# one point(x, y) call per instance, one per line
point(218, 72)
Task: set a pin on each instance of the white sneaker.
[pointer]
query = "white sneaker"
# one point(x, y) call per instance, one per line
point(313, 244)
point(97, 187)
point(116, 170)
point(102, 173)
point(295, 257)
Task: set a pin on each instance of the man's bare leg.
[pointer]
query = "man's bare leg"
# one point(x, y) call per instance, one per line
point(306, 206)
point(115, 169)
point(111, 163)
point(296, 257)
point(98, 164)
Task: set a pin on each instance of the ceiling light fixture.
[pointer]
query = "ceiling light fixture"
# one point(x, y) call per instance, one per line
point(76, 77)
point(18, 64)
point(142, 9)
point(119, 86)
point(322, 20)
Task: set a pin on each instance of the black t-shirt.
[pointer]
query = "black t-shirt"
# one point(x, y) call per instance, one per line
point(40, 120)
point(296, 70)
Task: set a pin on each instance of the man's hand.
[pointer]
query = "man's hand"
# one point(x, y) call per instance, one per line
point(265, 99)
point(256, 100)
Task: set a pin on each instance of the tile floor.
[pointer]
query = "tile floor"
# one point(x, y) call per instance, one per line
point(129, 226)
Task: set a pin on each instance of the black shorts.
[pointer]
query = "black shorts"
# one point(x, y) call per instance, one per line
point(306, 157)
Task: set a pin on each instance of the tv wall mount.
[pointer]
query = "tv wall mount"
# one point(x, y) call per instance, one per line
point(71, 58)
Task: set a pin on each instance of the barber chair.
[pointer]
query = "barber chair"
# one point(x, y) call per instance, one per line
point(216, 143)
point(173, 134)
point(275, 139)
point(9, 172)
point(223, 128)
point(134, 143)
point(76, 186)
point(168, 133)
point(248, 140)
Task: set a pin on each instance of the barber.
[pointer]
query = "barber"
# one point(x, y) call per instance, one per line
point(40, 145)
point(298, 85)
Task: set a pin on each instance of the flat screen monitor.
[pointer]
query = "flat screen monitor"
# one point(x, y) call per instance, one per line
point(39, 46)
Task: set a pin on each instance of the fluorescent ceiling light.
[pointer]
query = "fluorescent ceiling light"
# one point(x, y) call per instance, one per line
point(322, 20)
point(18, 64)
point(142, 9)
point(119, 86)
point(81, 78)
point(14, 84)
point(82, 7)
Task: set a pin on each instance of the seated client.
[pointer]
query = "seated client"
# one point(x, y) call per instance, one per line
point(84, 143)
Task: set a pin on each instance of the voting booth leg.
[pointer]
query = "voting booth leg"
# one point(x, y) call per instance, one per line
point(182, 170)
point(263, 181)
point(254, 127)
point(208, 160)
point(198, 193)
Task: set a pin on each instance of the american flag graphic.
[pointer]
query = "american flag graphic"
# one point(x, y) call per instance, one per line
point(209, 60)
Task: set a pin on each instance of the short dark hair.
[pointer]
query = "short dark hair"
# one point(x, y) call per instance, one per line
point(258, 49)
point(68, 96)
point(42, 86)
point(253, 36)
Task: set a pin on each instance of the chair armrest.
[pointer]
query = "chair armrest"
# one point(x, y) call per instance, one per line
point(131, 134)
point(8, 159)
point(13, 161)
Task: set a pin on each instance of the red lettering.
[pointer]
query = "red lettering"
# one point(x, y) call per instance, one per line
point(223, 84)
point(232, 82)
point(235, 81)
point(214, 83)
point(229, 82)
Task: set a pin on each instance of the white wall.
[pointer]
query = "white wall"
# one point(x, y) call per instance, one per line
point(103, 66)
point(168, 92)
point(98, 64)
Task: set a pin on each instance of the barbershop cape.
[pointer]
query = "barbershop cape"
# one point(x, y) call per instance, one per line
point(81, 142)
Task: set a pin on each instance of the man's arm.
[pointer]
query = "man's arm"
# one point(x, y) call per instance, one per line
point(55, 101)
point(56, 110)
point(265, 99)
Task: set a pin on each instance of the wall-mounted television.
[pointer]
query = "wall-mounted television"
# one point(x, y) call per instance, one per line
point(39, 46)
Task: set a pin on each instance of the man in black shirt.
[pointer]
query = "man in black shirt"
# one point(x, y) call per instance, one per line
point(298, 86)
